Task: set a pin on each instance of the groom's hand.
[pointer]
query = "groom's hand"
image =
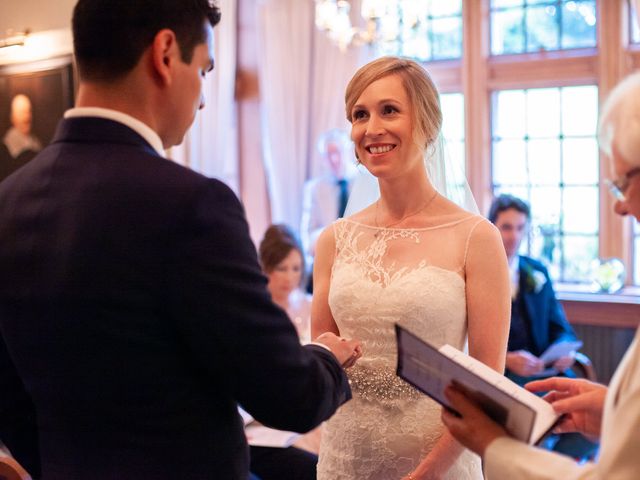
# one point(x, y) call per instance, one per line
point(346, 351)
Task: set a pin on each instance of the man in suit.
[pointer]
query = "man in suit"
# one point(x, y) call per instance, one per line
point(325, 196)
point(537, 318)
point(131, 300)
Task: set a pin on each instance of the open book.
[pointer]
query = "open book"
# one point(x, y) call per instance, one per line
point(523, 415)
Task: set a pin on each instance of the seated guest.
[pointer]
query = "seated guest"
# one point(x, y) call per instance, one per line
point(613, 413)
point(537, 318)
point(282, 261)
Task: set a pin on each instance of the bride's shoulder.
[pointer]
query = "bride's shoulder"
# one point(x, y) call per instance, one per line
point(366, 216)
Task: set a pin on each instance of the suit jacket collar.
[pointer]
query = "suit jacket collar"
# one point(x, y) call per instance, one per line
point(99, 130)
point(531, 303)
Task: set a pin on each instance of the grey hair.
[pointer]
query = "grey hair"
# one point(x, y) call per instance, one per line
point(335, 136)
point(619, 125)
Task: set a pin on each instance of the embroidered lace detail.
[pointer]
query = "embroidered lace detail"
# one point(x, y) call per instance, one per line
point(380, 277)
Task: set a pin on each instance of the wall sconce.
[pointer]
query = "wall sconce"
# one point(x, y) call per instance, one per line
point(14, 39)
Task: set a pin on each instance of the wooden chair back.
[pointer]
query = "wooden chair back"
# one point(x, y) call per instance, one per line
point(12, 470)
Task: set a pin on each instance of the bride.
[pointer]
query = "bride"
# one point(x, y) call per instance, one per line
point(413, 257)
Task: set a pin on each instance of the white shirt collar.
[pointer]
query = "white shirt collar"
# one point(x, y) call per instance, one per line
point(134, 124)
point(514, 274)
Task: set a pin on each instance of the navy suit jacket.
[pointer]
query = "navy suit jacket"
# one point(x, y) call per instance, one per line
point(137, 317)
point(542, 309)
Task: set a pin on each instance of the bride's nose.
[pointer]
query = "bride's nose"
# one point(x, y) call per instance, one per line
point(375, 126)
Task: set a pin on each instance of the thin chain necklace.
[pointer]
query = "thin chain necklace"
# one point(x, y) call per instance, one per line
point(425, 205)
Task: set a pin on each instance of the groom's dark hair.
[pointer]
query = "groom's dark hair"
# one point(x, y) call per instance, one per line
point(110, 36)
point(505, 202)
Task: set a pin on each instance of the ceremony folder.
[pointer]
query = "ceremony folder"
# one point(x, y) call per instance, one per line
point(523, 415)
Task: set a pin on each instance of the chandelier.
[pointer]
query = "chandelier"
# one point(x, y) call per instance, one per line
point(385, 21)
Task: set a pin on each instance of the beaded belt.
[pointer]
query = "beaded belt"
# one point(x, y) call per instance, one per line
point(379, 384)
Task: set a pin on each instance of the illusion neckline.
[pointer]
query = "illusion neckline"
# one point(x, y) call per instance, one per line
point(411, 229)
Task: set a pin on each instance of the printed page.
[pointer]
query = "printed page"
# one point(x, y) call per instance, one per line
point(559, 349)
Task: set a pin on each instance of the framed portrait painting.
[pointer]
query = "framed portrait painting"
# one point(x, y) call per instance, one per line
point(33, 98)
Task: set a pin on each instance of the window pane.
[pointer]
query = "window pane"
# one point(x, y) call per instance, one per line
point(420, 29)
point(580, 210)
point(579, 253)
point(507, 32)
point(542, 28)
point(544, 162)
point(452, 105)
point(578, 24)
point(508, 120)
point(634, 28)
point(636, 250)
point(506, 3)
point(579, 110)
point(416, 46)
point(543, 113)
point(447, 38)
point(553, 164)
point(542, 25)
point(545, 205)
point(443, 8)
point(545, 246)
point(509, 162)
point(580, 161)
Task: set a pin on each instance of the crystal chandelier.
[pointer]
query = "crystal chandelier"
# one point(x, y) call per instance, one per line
point(385, 21)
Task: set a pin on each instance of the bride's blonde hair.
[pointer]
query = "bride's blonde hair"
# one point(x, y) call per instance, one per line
point(426, 114)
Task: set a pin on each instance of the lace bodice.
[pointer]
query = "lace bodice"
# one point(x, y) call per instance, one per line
point(380, 276)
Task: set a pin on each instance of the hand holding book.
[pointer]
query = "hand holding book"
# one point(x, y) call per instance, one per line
point(472, 427)
point(520, 413)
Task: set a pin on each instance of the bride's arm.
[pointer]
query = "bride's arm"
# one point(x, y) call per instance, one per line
point(488, 316)
point(321, 317)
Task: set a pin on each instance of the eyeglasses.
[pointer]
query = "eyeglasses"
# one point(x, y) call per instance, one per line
point(619, 186)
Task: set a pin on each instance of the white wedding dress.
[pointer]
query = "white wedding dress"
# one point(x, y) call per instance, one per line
point(381, 276)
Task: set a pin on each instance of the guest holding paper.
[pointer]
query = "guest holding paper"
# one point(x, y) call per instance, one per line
point(538, 321)
point(537, 318)
point(413, 256)
point(611, 414)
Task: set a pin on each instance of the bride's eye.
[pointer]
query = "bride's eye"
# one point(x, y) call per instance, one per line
point(388, 109)
point(358, 114)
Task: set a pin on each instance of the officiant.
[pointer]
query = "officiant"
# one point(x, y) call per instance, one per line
point(610, 413)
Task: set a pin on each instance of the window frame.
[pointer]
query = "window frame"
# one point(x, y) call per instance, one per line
point(477, 74)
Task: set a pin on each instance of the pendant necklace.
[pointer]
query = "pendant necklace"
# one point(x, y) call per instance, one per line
point(392, 224)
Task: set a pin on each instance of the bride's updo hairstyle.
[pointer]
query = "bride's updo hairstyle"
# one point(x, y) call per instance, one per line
point(423, 95)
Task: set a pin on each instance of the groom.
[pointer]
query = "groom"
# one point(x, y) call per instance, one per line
point(131, 300)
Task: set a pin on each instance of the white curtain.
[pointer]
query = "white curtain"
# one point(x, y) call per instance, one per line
point(302, 80)
point(285, 32)
point(332, 71)
point(211, 145)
